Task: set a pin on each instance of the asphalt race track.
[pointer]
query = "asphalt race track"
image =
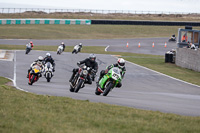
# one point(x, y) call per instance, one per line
point(142, 88)
point(117, 45)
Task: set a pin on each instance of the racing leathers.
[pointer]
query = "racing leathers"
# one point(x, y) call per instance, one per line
point(63, 45)
point(122, 71)
point(77, 49)
point(51, 60)
point(88, 63)
point(29, 45)
point(39, 63)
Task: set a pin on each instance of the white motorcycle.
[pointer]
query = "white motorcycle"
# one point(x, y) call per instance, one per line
point(76, 49)
point(60, 49)
point(28, 48)
point(48, 71)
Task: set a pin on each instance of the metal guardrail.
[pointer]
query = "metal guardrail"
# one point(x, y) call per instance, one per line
point(92, 11)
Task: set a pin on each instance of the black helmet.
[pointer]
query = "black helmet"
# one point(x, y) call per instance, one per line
point(92, 57)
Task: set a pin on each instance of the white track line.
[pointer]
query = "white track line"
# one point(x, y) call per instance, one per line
point(107, 48)
point(14, 78)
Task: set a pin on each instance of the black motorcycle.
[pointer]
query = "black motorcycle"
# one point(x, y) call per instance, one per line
point(80, 78)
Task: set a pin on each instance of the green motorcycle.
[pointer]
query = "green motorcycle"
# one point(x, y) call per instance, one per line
point(108, 81)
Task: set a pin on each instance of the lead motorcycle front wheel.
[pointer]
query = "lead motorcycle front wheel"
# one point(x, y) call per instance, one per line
point(77, 88)
point(107, 89)
point(32, 80)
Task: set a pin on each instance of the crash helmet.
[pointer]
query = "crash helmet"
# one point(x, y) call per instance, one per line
point(121, 62)
point(48, 55)
point(40, 58)
point(80, 44)
point(92, 57)
point(31, 42)
point(62, 43)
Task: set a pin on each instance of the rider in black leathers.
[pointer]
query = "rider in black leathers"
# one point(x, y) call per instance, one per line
point(48, 58)
point(89, 62)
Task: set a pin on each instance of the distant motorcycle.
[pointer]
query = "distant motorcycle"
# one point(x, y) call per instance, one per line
point(60, 49)
point(172, 39)
point(79, 78)
point(28, 49)
point(48, 71)
point(76, 49)
point(108, 81)
point(34, 74)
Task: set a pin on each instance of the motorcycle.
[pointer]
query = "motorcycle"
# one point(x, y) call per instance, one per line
point(48, 71)
point(76, 49)
point(108, 81)
point(34, 74)
point(80, 78)
point(60, 49)
point(172, 39)
point(28, 49)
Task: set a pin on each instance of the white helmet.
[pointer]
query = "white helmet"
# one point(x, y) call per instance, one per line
point(40, 58)
point(62, 43)
point(121, 62)
point(48, 54)
point(80, 44)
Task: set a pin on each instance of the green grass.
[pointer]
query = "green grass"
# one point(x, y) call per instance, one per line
point(85, 31)
point(25, 113)
point(115, 16)
point(154, 62)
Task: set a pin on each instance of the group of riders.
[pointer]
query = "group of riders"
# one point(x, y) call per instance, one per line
point(89, 62)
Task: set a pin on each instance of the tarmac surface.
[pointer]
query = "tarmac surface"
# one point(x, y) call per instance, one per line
point(141, 88)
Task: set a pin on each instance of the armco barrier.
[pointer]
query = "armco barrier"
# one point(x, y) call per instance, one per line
point(159, 23)
point(46, 21)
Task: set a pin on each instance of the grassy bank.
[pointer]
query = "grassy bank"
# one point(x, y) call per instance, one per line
point(154, 62)
point(85, 31)
point(25, 112)
point(115, 16)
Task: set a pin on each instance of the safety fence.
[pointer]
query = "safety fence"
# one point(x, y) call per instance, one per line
point(92, 11)
point(46, 21)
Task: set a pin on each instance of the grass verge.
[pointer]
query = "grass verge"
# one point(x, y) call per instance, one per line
point(25, 112)
point(85, 31)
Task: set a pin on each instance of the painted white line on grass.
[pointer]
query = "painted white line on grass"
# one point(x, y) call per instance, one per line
point(14, 78)
point(107, 48)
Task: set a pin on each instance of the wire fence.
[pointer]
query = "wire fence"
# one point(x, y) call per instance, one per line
point(91, 11)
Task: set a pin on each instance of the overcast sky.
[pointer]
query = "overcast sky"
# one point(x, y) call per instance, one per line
point(138, 5)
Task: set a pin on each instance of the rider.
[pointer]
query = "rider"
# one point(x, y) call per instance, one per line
point(30, 44)
point(63, 45)
point(39, 62)
point(89, 62)
point(120, 64)
point(48, 58)
point(173, 37)
point(78, 46)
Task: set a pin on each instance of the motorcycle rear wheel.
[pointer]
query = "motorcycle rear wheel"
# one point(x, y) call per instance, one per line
point(97, 92)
